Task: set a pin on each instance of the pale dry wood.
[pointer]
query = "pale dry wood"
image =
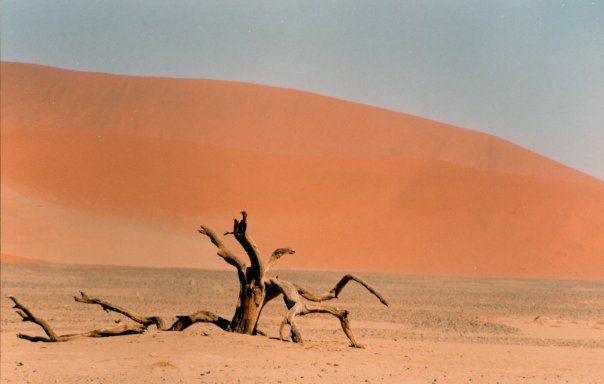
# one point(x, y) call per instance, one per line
point(276, 255)
point(28, 316)
point(120, 330)
point(335, 291)
point(241, 318)
point(182, 322)
point(225, 253)
point(107, 306)
point(252, 290)
point(185, 321)
point(248, 244)
point(53, 337)
point(296, 307)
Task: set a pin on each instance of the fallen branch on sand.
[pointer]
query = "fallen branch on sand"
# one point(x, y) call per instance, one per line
point(53, 337)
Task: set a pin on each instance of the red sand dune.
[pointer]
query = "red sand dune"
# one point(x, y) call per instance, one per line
point(10, 259)
point(100, 168)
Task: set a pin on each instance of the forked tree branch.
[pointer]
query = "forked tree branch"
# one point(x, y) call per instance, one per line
point(302, 309)
point(182, 322)
point(28, 316)
point(241, 235)
point(225, 253)
point(335, 291)
point(298, 308)
point(107, 306)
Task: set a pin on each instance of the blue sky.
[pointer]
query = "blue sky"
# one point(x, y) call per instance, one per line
point(528, 71)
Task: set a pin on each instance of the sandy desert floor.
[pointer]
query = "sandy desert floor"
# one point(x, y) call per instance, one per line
point(437, 330)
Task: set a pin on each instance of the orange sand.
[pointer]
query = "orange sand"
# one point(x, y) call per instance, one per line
point(10, 259)
point(114, 169)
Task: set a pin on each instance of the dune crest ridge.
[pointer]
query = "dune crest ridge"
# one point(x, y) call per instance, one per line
point(101, 168)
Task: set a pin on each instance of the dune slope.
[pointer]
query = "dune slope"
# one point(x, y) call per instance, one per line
point(249, 117)
point(112, 169)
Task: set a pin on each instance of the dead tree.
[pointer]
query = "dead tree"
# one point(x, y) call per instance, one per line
point(256, 289)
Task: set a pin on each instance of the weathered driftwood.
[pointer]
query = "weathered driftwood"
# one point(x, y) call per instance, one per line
point(142, 320)
point(53, 337)
point(182, 321)
point(256, 290)
point(142, 323)
point(296, 307)
point(335, 291)
point(185, 321)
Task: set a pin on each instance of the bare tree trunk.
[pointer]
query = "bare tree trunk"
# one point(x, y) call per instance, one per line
point(249, 306)
point(252, 290)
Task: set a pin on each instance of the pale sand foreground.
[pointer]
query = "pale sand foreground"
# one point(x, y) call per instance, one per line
point(437, 330)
